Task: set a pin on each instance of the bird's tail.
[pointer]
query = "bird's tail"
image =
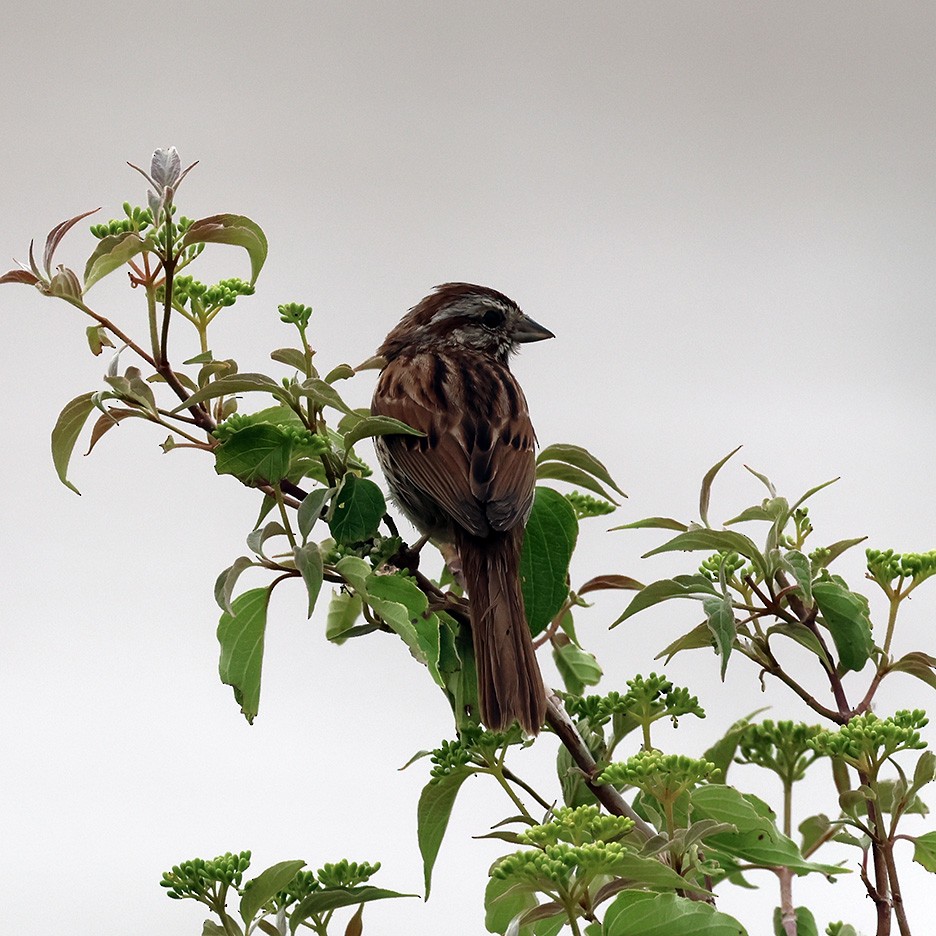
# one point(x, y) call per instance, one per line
point(510, 685)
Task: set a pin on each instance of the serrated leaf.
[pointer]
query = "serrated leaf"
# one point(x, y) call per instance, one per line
point(234, 383)
point(680, 586)
point(310, 510)
point(111, 252)
point(580, 458)
point(714, 541)
point(265, 886)
point(845, 614)
point(924, 851)
point(231, 229)
point(719, 615)
point(706, 491)
point(308, 559)
point(356, 510)
point(65, 434)
point(371, 426)
point(333, 898)
point(256, 454)
point(559, 471)
point(548, 543)
point(241, 637)
point(432, 816)
point(224, 585)
point(653, 523)
point(642, 913)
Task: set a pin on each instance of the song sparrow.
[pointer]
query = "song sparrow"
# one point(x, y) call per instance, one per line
point(469, 480)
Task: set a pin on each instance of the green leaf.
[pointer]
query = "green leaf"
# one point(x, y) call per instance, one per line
point(559, 471)
point(241, 637)
point(706, 491)
point(924, 851)
point(654, 523)
point(680, 586)
point(265, 886)
point(432, 816)
point(333, 898)
point(324, 394)
point(720, 618)
point(231, 229)
point(111, 252)
point(577, 667)
point(916, 664)
point(310, 510)
point(357, 508)
point(845, 614)
point(371, 426)
point(813, 829)
point(339, 372)
point(610, 582)
point(810, 492)
point(258, 454)
point(762, 478)
point(722, 752)
point(308, 559)
point(404, 606)
point(65, 434)
point(224, 586)
point(503, 900)
point(234, 383)
point(210, 928)
point(698, 638)
point(799, 567)
point(714, 541)
point(343, 612)
point(924, 772)
point(578, 457)
point(803, 636)
point(836, 550)
point(292, 357)
point(805, 922)
point(640, 913)
point(757, 840)
point(548, 544)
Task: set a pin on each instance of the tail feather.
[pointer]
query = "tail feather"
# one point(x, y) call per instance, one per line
point(510, 686)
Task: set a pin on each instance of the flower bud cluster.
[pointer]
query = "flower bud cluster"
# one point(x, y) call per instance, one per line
point(137, 219)
point(585, 505)
point(886, 565)
point(557, 864)
point(783, 747)
point(195, 878)
point(664, 776)
point(223, 293)
point(475, 746)
point(582, 825)
point(294, 313)
point(346, 873)
point(867, 741)
point(731, 562)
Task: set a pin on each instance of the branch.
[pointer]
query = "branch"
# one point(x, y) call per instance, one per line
point(558, 720)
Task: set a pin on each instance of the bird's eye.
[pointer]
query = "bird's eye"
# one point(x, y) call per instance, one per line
point(493, 318)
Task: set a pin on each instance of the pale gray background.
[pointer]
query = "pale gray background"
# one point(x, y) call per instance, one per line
point(725, 211)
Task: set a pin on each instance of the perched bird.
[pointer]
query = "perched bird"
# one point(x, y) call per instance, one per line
point(469, 480)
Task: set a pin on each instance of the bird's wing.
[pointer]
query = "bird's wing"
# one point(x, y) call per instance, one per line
point(476, 460)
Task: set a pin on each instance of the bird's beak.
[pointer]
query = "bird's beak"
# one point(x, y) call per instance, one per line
point(528, 330)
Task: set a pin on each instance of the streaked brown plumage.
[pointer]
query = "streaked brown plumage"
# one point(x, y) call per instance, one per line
point(469, 481)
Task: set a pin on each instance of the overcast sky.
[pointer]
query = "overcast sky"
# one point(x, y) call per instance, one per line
point(724, 211)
